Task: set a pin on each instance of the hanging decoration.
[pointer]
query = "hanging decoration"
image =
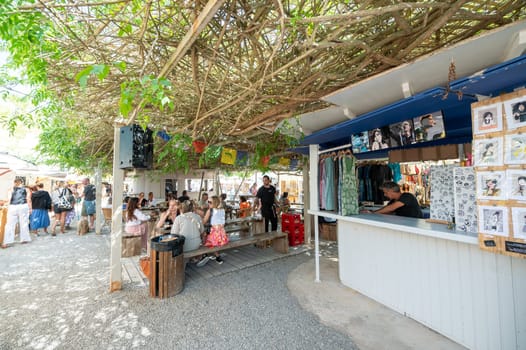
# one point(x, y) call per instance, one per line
point(228, 156)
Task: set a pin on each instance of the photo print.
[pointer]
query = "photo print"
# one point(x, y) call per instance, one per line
point(516, 184)
point(465, 206)
point(491, 185)
point(360, 142)
point(429, 127)
point(402, 133)
point(488, 152)
point(487, 119)
point(518, 216)
point(493, 220)
point(515, 149)
point(516, 112)
point(379, 138)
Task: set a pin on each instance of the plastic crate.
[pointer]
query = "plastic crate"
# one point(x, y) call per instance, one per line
point(296, 239)
point(287, 218)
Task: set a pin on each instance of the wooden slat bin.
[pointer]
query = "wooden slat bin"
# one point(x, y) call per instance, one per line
point(166, 266)
point(328, 232)
point(131, 246)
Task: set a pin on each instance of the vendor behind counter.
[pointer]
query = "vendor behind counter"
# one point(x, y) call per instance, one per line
point(401, 204)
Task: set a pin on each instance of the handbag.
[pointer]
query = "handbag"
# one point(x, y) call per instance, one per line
point(63, 201)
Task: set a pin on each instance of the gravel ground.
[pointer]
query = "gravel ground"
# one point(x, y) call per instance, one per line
point(54, 295)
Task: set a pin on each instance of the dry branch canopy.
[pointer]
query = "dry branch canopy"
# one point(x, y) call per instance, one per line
point(255, 63)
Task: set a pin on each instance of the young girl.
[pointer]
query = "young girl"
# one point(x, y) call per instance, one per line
point(217, 236)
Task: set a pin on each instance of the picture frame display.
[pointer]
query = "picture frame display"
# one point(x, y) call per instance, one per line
point(402, 133)
point(488, 152)
point(519, 222)
point(487, 119)
point(429, 127)
point(515, 149)
point(515, 112)
point(360, 142)
point(379, 138)
point(491, 185)
point(493, 220)
point(516, 184)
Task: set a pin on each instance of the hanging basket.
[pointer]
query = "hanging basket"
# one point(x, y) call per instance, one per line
point(199, 146)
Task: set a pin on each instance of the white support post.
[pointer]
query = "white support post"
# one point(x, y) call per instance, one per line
point(313, 203)
point(307, 218)
point(98, 199)
point(116, 224)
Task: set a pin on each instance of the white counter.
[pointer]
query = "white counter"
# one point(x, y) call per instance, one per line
point(436, 276)
point(404, 224)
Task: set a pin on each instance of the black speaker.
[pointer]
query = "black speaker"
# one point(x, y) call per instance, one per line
point(136, 148)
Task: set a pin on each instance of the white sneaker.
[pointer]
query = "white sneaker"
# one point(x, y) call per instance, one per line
point(203, 261)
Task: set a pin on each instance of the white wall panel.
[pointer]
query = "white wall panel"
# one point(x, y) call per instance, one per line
point(474, 297)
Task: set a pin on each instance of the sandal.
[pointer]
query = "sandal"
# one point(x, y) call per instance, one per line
point(4, 246)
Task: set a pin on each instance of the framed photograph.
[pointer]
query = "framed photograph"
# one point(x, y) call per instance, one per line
point(516, 184)
point(429, 127)
point(487, 119)
point(488, 152)
point(493, 220)
point(360, 142)
point(516, 112)
point(379, 139)
point(491, 185)
point(402, 133)
point(515, 149)
point(518, 216)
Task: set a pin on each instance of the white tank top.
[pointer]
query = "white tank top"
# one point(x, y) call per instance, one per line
point(217, 217)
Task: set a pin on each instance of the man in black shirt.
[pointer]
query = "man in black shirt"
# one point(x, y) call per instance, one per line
point(267, 198)
point(401, 204)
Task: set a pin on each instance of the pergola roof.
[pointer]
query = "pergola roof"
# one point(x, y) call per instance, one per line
point(239, 68)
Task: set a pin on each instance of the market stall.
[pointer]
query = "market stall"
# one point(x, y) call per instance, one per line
point(434, 271)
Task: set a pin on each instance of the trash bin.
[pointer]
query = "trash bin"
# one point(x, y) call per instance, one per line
point(166, 265)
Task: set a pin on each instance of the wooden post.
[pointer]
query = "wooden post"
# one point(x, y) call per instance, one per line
point(116, 225)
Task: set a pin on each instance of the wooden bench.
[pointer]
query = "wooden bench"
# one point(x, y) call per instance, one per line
point(280, 243)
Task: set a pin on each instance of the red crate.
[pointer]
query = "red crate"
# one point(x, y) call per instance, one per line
point(288, 228)
point(296, 239)
point(287, 218)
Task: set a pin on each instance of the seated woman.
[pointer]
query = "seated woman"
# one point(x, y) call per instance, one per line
point(136, 221)
point(245, 208)
point(168, 217)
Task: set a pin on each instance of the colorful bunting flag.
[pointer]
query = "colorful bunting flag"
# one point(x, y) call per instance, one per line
point(228, 156)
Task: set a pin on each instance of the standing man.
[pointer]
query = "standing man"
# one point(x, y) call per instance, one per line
point(88, 206)
point(18, 212)
point(266, 196)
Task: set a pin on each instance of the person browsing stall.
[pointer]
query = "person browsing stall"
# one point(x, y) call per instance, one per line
point(401, 204)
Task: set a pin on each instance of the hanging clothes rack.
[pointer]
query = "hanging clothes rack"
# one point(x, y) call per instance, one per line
point(335, 148)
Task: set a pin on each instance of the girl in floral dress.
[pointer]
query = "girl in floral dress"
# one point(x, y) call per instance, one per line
point(217, 236)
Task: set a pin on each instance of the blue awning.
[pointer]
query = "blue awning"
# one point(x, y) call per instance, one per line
point(456, 108)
